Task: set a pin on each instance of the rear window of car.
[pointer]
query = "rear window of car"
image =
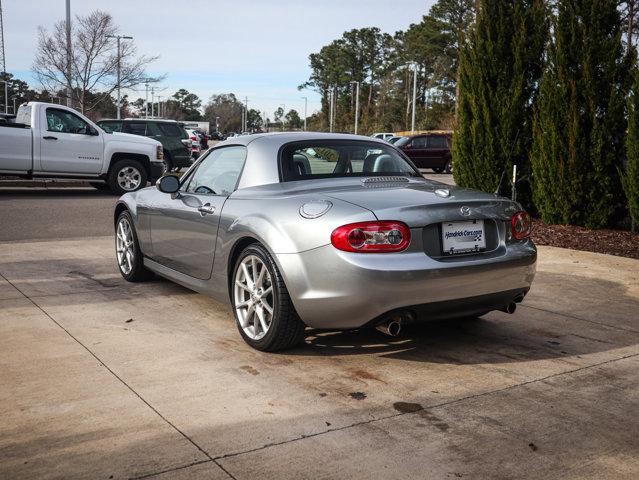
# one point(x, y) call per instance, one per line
point(341, 158)
point(170, 130)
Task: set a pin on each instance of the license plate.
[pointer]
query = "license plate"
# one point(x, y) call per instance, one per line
point(463, 237)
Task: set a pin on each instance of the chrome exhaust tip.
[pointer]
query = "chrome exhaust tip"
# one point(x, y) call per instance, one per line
point(510, 308)
point(392, 327)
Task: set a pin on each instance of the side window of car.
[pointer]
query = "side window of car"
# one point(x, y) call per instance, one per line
point(419, 142)
point(219, 172)
point(62, 121)
point(136, 128)
point(111, 127)
point(437, 142)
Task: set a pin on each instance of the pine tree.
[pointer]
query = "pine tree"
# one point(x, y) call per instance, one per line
point(630, 177)
point(500, 67)
point(580, 124)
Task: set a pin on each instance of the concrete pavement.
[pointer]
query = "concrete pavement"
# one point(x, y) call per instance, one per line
point(104, 379)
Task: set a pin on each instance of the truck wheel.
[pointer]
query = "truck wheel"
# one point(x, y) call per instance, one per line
point(127, 176)
point(264, 313)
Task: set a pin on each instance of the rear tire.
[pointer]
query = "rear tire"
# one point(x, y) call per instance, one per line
point(127, 250)
point(127, 176)
point(438, 170)
point(252, 300)
point(449, 166)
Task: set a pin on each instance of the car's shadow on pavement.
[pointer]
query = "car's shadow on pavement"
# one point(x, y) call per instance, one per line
point(532, 333)
point(57, 192)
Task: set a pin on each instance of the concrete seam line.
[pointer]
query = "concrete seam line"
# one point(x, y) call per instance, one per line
point(112, 372)
point(567, 315)
point(429, 407)
point(174, 469)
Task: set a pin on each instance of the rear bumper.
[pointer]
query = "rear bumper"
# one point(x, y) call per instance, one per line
point(335, 289)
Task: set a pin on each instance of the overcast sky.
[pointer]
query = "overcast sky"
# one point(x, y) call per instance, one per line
point(254, 48)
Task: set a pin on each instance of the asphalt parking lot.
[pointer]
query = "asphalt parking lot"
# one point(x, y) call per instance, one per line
point(104, 379)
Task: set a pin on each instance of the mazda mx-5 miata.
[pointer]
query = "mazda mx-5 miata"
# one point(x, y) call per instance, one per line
point(327, 231)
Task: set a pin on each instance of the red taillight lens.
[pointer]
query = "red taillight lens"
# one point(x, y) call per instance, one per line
point(194, 139)
point(371, 237)
point(521, 225)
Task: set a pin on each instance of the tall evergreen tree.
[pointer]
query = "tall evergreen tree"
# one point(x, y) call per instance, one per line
point(580, 123)
point(500, 68)
point(630, 175)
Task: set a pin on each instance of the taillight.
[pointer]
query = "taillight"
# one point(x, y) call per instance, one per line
point(194, 139)
point(371, 237)
point(521, 225)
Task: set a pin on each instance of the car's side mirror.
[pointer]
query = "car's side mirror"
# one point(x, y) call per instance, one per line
point(92, 131)
point(168, 184)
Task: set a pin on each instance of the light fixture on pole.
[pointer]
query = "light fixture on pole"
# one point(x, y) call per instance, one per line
point(305, 109)
point(356, 104)
point(119, 59)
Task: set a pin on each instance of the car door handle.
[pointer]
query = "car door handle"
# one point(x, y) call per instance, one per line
point(206, 209)
point(49, 137)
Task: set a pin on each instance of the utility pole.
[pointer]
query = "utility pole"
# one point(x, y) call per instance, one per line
point(159, 105)
point(119, 38)
point(3, 64)
point(412, 128)
point(146, 100)
point(331, 108)
point(69, 56)
point(305, 109)
point(152, 100)
point(356, 105)
point(217, 124)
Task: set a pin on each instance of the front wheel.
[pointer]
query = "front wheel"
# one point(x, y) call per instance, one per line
point(264, 313)
point(127, 176)
point(438, 170)
point(127, 250)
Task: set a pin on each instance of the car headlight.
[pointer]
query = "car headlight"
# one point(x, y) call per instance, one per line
point(160, 152)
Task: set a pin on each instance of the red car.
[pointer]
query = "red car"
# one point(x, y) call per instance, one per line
point(429, 150)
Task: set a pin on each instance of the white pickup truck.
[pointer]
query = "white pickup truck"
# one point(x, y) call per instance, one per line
point(52, 141)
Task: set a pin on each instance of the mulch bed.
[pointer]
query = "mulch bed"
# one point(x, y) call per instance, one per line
point(613, 242)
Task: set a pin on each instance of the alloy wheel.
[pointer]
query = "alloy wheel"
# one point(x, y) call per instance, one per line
point(129, 178)
point(253, 295)
point(125, 249)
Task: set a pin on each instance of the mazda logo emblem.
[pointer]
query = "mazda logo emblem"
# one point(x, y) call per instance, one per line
point(465, 211)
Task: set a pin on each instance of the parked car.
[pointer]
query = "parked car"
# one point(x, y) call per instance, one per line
point(176, 154)
point(217, 136)
point(204, 139)
point(383, 136)
point(393, 139)
point(429, 150)
point(49, 140)
point(325, 231)
point(196, 147)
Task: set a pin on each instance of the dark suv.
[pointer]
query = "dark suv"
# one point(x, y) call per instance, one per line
point(429, 150)
point(167, 132)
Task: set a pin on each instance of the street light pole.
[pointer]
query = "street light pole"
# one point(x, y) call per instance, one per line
point(356, 105)
point(305, 108)
point(414, 97)
point(159, 105)
point(69, 54)
point(119, 38)
point(330, 109)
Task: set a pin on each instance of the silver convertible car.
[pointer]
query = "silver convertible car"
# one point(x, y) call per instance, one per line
point(327, 231)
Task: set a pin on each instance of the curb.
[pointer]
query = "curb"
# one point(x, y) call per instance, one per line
point(43, 183)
